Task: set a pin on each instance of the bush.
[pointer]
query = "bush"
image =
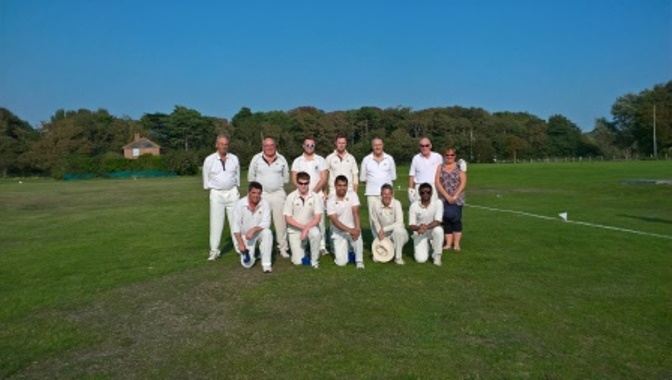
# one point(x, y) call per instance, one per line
point(80, 164)
point(182, 162)
point(149, 162)
point(114, 162)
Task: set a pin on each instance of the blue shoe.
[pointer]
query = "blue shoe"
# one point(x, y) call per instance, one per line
point(351, 257)
point(305, 260)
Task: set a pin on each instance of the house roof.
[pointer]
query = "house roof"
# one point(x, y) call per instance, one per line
point(141, 143)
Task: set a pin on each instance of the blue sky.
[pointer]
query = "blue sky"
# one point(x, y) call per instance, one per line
point(133, 57)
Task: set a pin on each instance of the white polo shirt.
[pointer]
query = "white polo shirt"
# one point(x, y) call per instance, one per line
point(423, 169)
point(271, 175)
point(346, 166)
point(221, 175)
point(389, 217)
point(343, 208)
point(376, 174)
point(313, 167)
point(303, 210)
point(244, 219)
point(418, 214)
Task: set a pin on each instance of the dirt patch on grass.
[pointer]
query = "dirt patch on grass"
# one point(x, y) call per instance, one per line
point(139, 327)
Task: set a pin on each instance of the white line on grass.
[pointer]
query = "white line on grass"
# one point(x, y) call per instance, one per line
point(571, 221)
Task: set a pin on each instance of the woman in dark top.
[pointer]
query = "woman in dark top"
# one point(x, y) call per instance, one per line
point(450, 182)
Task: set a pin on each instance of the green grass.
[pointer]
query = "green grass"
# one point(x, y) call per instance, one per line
point(109, 279)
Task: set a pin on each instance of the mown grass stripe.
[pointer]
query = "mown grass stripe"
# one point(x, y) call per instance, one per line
point(571, 221)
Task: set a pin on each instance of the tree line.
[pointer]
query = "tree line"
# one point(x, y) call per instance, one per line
point(85, 140)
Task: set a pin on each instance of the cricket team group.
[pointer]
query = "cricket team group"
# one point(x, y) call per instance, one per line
point(329, 186)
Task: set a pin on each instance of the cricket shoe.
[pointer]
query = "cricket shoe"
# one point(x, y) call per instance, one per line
point(437, 260)
point(214, 254)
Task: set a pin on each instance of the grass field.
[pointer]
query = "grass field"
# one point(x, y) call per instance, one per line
point(109, 279)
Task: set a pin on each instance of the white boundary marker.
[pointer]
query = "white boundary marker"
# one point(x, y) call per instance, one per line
point(570, 221)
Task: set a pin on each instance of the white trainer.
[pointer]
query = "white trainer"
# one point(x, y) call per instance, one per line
point(214, 254)
point(437, 260)
point(399, 261)
point(360, 265)
point(268, 269)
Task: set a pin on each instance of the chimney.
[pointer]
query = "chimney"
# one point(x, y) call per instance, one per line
point(137, 136)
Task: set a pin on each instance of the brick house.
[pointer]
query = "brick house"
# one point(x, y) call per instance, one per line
point(141, 146)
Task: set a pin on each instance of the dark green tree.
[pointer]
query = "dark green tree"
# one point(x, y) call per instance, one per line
point(401, 146)
point(333, 124)
point(366, 120)
point(16, 135)
point(564, 137)
point(633, 116)
point(82, 133)
point(514, 144)
point(156, 127)
point(249, 129)
point(187, 130)
point(605, 137)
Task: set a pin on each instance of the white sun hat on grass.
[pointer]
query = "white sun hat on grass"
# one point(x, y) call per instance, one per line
point(383, 250)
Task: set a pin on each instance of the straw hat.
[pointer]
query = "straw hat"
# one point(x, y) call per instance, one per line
point(383, 250)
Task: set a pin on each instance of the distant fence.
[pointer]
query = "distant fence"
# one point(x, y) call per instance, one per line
point(661, 157)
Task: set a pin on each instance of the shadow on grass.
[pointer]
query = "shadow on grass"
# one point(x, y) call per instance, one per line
point(647, 219)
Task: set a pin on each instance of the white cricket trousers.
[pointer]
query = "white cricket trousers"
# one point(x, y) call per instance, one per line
point(370, 200)
point(221, 205)
point(323, 238)
point(298, 247)
point(421, 244)
point(265, 240)
point(342, 241)
point(277, 201)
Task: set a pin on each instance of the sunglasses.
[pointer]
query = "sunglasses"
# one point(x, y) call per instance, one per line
point(303, 183)
point(309, 145)
point(424, 145)
point(425, 191)
point(450, 155)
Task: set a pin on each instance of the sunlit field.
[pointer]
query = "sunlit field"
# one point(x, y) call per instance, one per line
point(110, 278)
